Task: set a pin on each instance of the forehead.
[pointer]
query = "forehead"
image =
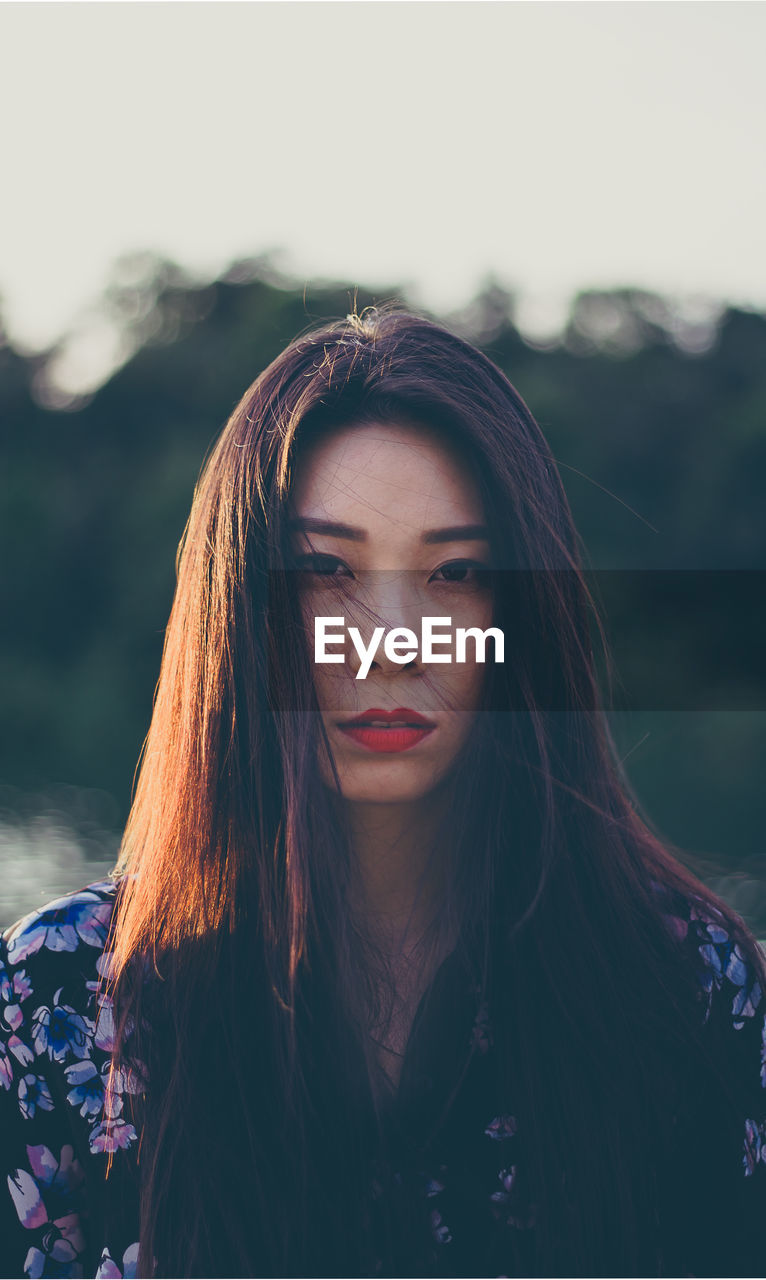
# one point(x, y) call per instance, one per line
point(380, 470)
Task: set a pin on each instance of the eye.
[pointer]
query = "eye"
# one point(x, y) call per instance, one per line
point(463, 572)
point(322, 566)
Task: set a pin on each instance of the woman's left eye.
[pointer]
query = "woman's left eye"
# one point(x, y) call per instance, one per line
point(322, 566)
point(462, 571)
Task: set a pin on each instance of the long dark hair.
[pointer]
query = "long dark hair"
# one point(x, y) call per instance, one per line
point(242, 980)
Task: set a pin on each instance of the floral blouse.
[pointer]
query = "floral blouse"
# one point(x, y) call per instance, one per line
point(59, 1127)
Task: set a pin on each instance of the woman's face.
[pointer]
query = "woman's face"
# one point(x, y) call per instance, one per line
point(412, 537)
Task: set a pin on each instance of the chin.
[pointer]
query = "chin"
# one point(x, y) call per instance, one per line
point(380, 796)
point(390, 790)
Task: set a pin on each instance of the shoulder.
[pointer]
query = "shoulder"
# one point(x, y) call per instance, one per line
point(730, 967)
point(51, 964)
point(78, 921)
point(56, 1034)
point(728, 963)
point(57, 1025)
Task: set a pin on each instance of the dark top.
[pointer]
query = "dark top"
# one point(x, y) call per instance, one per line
point(58, 1128)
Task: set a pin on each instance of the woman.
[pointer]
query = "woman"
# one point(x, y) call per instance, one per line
point(393, 979)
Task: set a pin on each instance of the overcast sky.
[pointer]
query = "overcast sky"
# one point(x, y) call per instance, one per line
point(420, 144)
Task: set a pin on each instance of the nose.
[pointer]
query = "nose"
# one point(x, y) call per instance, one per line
point(389, 600)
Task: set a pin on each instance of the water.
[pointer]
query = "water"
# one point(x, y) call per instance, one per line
point(43, 857)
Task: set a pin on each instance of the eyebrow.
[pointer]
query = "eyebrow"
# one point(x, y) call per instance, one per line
point(458, 533)
point(454, 533)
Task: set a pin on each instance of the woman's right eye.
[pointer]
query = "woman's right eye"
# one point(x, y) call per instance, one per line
point(322, 566)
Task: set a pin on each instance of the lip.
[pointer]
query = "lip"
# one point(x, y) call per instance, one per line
point(399, 713)
point(386, 741)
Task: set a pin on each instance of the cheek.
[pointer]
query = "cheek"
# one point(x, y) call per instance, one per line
point(328, 677)
point(336, 690)
point(466, 679)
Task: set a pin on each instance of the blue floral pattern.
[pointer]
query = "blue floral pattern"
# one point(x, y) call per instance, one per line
point(59, 1095)
point(34, 1093)
point(62, 925)
point(500, 1128)
point(108, 1269)
point(43, 1195)
point(61, 1032)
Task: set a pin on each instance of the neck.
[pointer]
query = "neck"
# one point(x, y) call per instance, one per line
point(400, 866)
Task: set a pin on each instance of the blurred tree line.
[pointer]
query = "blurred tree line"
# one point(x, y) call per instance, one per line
point(656, 415)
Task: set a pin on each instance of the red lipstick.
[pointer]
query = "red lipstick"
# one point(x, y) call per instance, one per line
point(388, 731)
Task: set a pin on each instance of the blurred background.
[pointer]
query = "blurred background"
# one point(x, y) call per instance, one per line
point(577, 188)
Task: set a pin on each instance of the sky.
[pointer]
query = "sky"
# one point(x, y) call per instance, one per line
point(411, 145)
